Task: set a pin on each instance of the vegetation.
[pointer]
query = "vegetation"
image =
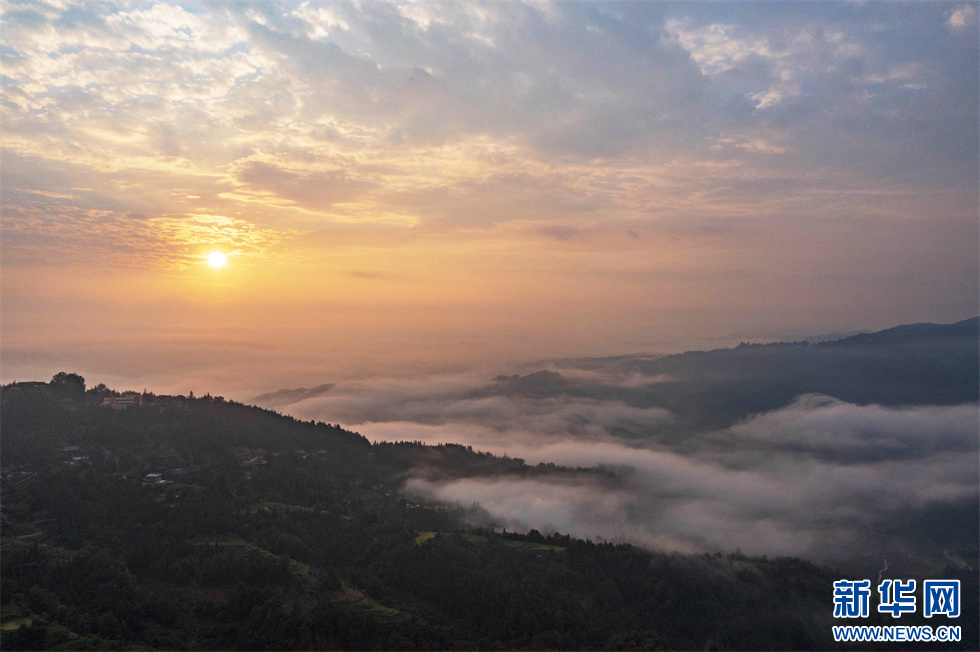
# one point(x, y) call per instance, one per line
point(206, 524)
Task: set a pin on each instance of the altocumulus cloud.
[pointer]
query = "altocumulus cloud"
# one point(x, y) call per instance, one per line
point(380, 104)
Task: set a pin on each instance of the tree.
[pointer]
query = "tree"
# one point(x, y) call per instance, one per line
point(102, 390)
point(67, 383)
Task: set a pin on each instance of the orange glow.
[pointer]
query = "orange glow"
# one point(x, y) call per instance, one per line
point(250, 217)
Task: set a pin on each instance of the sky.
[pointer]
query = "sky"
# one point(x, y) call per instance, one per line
point(434, 188)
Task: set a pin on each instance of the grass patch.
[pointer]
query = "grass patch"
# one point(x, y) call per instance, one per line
point(30, 536)
point(425, 536)
point(17, 623)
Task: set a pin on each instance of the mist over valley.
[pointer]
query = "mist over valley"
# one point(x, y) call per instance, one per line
point(863, 446)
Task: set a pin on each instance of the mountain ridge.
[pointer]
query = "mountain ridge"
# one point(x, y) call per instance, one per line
point(544, 382)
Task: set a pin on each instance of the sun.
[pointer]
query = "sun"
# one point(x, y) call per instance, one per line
point(217, 259)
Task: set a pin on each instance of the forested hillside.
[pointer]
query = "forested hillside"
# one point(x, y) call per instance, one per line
point(198, 523)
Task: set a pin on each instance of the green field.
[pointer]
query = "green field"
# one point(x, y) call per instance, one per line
point(425, 536)
point(17, 623)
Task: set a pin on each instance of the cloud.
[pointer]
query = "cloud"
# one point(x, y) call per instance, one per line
point(312, 188)
point(819, 477)
point(467, 400)
point(44, 234)
point(289, 396)
point(559, 233)
point(848, 434)
point(963, 17)
point(712, 48)
point(584, 509)
point(476, 115)
point(780, 503)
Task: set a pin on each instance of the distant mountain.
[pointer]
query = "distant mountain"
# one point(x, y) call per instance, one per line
point(917, 333)
point(915, 364)
point(833, 336)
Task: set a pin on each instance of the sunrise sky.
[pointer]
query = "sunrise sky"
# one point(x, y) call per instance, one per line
point(409, 188)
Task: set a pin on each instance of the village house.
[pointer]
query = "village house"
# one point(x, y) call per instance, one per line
point(123, 402)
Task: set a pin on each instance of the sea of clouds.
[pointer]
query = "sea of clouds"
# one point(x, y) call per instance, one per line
point(819, 477)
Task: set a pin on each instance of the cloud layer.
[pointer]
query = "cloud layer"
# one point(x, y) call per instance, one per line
point(819, 477)
point(476, 114)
